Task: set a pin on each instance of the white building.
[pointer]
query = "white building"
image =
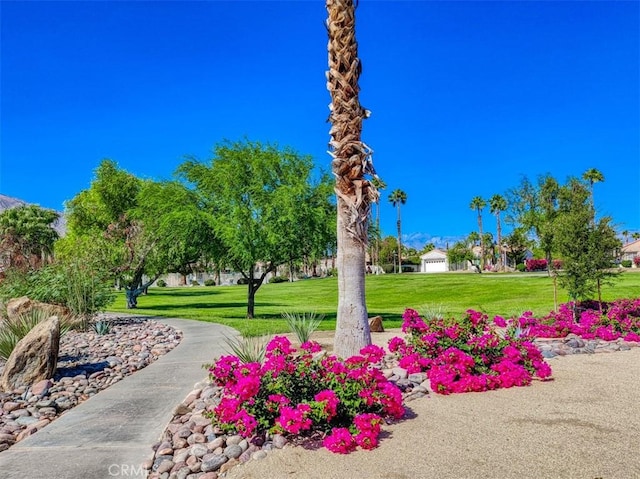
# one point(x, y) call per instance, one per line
point(435, 261)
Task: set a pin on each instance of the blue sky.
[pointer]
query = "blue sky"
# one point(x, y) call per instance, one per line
point(466, 96)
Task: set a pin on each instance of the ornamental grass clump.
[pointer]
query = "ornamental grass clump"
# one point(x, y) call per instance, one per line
point(301, 392)
point(468, 355)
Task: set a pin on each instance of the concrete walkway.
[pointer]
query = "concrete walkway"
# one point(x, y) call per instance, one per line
point(110, 435)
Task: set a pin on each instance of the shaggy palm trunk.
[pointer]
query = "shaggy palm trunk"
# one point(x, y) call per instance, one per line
point(499, 233)
point(350, 163)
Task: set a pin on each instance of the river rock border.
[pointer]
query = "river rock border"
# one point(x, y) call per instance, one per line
point(87, 364)
point(192, 448)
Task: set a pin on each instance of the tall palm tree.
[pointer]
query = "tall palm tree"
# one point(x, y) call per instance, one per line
point(351, 162)
point(498, 204)
point(477, 204)
point(593, 176)
point(398, 198)
point(379, 184)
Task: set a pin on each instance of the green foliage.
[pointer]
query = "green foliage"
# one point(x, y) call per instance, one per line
point(101, 327)
point(209, 282)
point(459, 253)
point(587, 247)
point(26, 237)
point(13, 330)
point(278, 279)
point(265, 208)
point(249, 349)
point(303, 324)
point(626, 263)
point(521, 267)
point(161, 283)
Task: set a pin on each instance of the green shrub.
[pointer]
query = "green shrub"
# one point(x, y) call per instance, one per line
point(12, 331)
point(242, 281)
point(388, 268)
point(303, 324)
point(626, 263)
point(194, 283)
point(209, 282)
point(101, 327)
point(521, 267)
point(161, 283)
point(278, 279)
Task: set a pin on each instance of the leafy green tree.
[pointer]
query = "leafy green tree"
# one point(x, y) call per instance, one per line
point(517, 244)
point(459, 254)
point(426, 248)
point(139, 228)
point(27, 237)
point(477, 204)
point(587, 249)
point(265, 210)
point(497, 204)
point(388, 249)
point(397, 199)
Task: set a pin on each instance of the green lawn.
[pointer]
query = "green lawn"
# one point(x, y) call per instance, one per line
point(387, 295)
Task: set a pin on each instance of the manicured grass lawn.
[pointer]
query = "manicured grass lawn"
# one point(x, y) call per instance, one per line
point(387, 295)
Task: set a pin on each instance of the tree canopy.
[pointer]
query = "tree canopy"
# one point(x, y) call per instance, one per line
point(265, 208)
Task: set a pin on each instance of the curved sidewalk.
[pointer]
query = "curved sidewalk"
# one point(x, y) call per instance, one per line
point(109, 435)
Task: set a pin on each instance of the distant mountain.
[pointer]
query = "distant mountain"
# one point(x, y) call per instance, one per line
point(7, 202)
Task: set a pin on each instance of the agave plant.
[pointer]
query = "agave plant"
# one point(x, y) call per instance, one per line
point(303, 324)
point(101, 327)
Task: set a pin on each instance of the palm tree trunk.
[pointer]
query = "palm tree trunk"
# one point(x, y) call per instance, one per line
point(350, 163)
point(399, 224)
point(481, 241)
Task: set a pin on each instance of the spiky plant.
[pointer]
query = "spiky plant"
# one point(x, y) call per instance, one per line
point(249, 349)
point(303, 324)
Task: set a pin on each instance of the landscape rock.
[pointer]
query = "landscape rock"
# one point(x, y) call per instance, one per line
point(34, 358)
point(375, 324)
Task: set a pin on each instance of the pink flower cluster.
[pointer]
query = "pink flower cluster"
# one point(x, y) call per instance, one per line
point(619, 319)
point(295, 392)
point(468, 355)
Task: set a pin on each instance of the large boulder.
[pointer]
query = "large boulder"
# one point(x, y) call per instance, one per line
point(23, 305)
point(34, 358)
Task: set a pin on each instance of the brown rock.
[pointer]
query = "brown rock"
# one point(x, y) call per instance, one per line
point(41, 387)
point(375, 324)
point(22, 305)
point(34, 358)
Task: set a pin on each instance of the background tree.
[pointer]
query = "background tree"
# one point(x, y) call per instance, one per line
point(517, 244)
point(459, 254)
point(27, 237)
point(477, 204)
point(351, 162)
point(592, 176)
point(139, 229)
point(426, 248)
point(397, 199)
point(635, 236)
point(264, 209)
point(497, 204)
point(379, 185)
point(587, 249)
point(625, 235)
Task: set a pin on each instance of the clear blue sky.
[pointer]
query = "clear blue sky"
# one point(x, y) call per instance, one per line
point(466, 96)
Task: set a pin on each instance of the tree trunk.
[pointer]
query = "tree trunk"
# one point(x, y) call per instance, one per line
point(351, 162)
point(399, 224)
point(499, 234)
point(352, 327)
point(481, 241)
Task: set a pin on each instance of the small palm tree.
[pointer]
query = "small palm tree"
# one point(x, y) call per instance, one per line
point(625, 235)
point(498, 204)
point(477, 204)
point(397, 199)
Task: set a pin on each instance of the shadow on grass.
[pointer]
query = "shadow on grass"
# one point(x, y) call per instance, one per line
point(186, 291)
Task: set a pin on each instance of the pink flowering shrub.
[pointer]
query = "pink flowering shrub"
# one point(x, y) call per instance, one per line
point(298, 392)
point(619, 319)
point(469, 355)
point(536, 264)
